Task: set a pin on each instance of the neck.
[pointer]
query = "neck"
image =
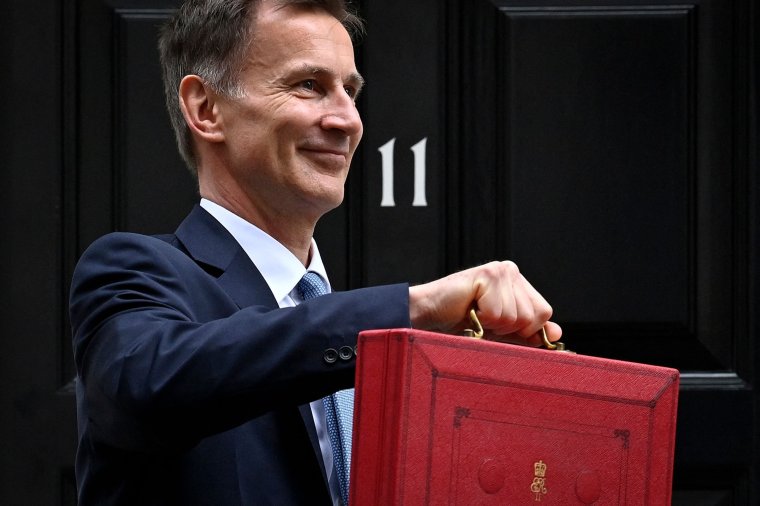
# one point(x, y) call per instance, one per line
point(289, 221)
point(293, 233)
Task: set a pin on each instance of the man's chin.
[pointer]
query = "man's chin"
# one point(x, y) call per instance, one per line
point(324, 201)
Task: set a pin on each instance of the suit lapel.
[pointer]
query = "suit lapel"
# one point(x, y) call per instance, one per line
point(214, 248)
point(211, 245)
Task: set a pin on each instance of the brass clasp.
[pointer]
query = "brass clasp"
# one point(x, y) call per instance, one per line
point(478, 332)
point(556, 346)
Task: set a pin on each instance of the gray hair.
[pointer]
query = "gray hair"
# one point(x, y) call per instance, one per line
point(210, 38)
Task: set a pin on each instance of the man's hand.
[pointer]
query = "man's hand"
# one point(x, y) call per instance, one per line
point(508, 307)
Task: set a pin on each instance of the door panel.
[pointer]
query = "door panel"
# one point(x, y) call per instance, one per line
point(607, 144)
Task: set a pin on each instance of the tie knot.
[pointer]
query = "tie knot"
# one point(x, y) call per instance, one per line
point(311, 285)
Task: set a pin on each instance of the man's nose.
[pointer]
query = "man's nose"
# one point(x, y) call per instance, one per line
point(342, 114)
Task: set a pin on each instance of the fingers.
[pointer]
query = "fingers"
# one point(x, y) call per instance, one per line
point(553, 333)
point(508, 304)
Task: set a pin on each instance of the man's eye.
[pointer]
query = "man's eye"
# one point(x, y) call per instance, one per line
point(309, 84)
point(350, 91)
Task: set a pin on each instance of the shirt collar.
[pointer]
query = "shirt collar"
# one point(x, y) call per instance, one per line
point(278, 265)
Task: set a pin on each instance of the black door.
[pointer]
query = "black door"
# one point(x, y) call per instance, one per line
point(608, 147)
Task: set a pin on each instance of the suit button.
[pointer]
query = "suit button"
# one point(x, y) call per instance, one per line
point(346, 353)
point(331, 355)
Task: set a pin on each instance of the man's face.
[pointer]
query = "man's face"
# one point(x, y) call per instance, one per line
point(291, 137)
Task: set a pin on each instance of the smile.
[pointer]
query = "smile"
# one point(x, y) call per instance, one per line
point(334, 159)
point(333, 152)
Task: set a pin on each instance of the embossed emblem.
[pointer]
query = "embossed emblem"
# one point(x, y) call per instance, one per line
point(538, 487)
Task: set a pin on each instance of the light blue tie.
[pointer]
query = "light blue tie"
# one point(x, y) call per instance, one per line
point(339, 407)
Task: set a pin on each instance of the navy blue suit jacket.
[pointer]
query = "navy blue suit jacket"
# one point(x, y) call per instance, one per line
point(193, 386)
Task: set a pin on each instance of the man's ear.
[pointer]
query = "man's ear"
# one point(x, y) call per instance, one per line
point(198, 103)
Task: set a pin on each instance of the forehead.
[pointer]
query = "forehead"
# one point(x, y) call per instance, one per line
point(293, 33)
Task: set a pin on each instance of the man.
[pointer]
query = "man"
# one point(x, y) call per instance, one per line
point(201, 364)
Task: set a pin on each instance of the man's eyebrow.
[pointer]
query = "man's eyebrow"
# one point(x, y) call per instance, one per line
point(357, 78)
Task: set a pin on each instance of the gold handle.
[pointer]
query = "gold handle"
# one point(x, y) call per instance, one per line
point(547, 344)
point(478, 334)
point(557, 345)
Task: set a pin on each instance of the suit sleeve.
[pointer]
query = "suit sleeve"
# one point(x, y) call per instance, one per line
point(164, 357)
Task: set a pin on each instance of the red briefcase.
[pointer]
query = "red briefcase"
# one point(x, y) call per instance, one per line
point(449, 420)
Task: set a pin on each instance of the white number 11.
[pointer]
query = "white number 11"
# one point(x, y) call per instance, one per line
point(386, 152)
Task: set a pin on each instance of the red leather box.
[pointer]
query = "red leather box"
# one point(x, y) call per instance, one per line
point(450, 420)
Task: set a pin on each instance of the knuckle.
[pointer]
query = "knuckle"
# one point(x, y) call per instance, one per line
point(492, 268)
point(545, 312)
point(509, 264)
point(510, 268)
